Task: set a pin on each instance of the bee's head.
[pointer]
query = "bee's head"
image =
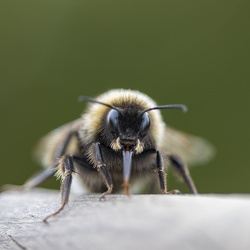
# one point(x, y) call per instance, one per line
point(127, 128)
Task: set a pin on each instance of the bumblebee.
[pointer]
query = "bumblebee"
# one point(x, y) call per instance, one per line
point(120, 141)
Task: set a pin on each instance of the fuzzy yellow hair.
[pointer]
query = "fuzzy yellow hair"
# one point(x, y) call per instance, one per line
point(94, 115)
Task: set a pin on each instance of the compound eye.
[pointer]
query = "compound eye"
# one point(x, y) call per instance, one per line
point(112, 120)
point(145, 124)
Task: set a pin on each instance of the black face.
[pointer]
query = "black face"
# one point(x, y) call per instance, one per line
point(128, 125)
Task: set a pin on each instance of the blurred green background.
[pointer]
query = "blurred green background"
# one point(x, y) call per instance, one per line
point(192, 52)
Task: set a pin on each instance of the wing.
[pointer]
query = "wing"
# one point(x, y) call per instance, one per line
point(192, 149)
point(59, 141)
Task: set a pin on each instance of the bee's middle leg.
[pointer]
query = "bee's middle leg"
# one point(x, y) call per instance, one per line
point(162, 176)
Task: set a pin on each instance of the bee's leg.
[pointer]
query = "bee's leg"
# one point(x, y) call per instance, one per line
point(182, 169)
point(162, 176)
point(59, 152)
point(102, 169)
point(40, 177)
point(31, 182)
point(161, 173)
point(65, 170)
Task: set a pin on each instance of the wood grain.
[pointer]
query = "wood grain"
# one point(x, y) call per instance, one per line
point(138, 222)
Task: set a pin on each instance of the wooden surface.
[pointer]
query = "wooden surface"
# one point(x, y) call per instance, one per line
point(139, 222)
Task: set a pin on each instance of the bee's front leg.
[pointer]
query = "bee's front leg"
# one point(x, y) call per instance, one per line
point(64, 170)
point(162, 176)
point(102, 169)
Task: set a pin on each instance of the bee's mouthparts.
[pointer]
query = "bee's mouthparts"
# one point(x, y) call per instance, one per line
point(127, 153)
